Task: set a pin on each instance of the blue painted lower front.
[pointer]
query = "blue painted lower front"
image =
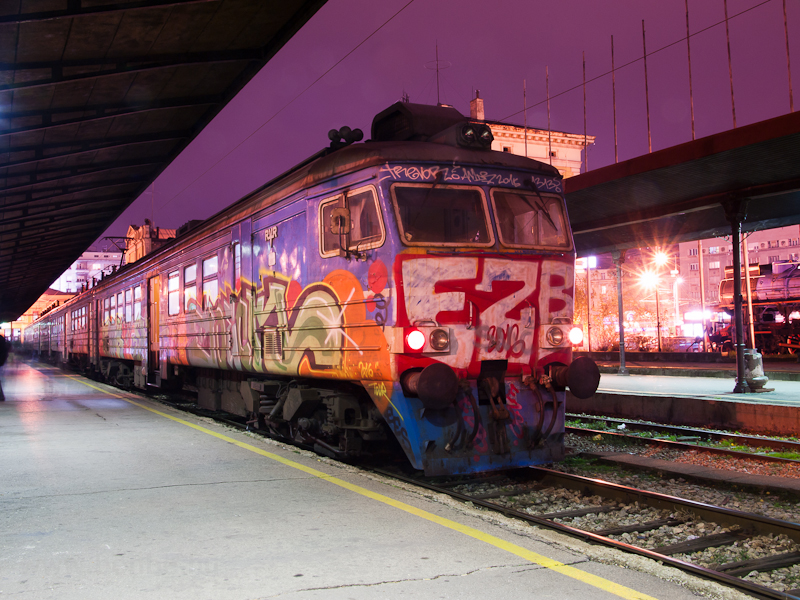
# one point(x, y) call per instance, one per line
point(448, 441)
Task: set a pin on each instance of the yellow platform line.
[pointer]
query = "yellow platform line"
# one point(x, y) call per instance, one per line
point(524, 553)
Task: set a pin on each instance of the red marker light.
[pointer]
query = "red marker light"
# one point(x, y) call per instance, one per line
point(415, 339)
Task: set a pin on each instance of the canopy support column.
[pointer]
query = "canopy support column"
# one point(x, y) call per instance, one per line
point(735, 212)
point(618, 256)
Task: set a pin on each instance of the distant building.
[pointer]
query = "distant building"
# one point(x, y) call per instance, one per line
point(91, 264)
point(52, 297)
point(562, 150)
point(144, 239)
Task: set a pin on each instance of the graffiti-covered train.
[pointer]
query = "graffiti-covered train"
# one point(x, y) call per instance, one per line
point(418, 285)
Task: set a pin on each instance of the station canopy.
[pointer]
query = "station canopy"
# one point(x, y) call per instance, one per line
point(678, 194)
point(97, 97)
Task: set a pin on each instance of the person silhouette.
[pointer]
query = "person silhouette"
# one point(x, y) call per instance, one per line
point(3, 356)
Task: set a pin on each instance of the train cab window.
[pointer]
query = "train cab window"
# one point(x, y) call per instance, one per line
point(137, 303)
point(441, 215)
point(128, 306)
point(529, 220)
point(173, 293)
point(190, 288)
point(352, 221)
point(113, 309)
point(210, 283)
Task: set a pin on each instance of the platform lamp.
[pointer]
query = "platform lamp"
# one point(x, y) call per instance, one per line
point(660, 258)
point(649, 280)
point(678, 281)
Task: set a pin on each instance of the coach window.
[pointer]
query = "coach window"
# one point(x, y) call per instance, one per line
point(137, 303)
point(120, 307)
point(128, 305)
point(352, 221)
point(210, 284)
point(106, 309)
point(113, 309)
point(173, 293)
point(190, 288)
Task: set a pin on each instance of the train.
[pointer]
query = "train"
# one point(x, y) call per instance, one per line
point(415, 289)
point(775, 296)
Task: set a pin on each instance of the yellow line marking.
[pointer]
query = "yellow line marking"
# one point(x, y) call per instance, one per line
point(524, 553)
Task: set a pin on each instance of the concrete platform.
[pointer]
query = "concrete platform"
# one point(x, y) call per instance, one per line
point(107, 495)
point(695, 401)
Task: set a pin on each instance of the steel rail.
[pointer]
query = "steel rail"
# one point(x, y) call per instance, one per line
point(712, 435)
point(543, 476)
point(683, 445)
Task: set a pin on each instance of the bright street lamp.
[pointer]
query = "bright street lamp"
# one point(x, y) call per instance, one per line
point(649, 280)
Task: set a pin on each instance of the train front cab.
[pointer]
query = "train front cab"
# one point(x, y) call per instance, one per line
point(479, 343)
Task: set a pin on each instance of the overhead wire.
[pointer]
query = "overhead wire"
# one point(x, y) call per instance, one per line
point(629, 63)
point(289, 103)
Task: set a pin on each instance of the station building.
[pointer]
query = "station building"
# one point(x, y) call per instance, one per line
point(558, 148)
point(91, 264)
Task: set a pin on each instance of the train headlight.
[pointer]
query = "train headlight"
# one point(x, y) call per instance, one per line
point(555, 336)
point(485, 136)
point(440, 339)
point(576, 336)
point(468, 134)
point(415, 339)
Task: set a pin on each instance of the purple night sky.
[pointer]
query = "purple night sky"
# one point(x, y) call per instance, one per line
point(490, 46)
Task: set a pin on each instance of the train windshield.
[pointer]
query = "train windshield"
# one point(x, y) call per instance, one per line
point(444, 215)
point(530, 220)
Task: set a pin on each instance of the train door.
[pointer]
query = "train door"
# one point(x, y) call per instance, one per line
point(243, 283)
point(153, 321)
point(95, 310)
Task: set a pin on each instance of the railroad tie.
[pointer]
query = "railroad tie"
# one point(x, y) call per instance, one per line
point(767, 563)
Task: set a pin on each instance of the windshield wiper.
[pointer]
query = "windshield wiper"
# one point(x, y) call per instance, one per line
point(436, 181)
point(539, 204)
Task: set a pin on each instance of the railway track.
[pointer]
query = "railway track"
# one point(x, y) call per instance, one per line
point(676, 445)
point(682, 433)
point(722, 530)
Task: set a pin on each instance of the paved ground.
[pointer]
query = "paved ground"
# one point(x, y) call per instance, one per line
point(776, 370)
point(785, 393)
point(106, 495)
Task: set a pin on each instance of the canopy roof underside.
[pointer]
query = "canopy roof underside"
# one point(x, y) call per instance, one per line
point(97, 97)
point(676, 194)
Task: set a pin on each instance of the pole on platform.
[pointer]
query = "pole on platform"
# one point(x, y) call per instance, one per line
point(646, 91)
point(702, 293)
point(549, 136)
point(585, 137)
point(658, 319)
point(588, 305)
point(689, 54)
point(614, 100)
point(525, 112)
point(749, 291)
point(730, 63)
point(619, 257)
point(735, 211)
point(788, 58)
